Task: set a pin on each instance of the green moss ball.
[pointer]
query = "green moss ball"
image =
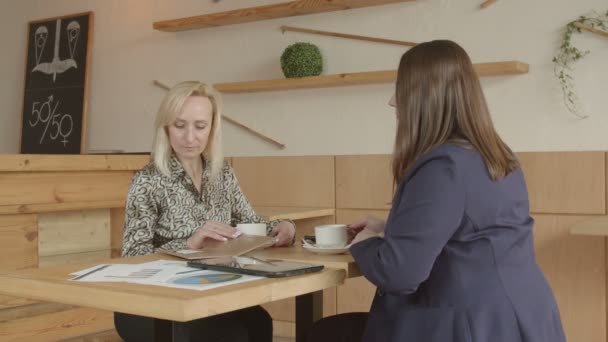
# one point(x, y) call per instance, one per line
point(301, 60)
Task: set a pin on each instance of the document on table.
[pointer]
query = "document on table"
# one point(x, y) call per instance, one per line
point(166, 273)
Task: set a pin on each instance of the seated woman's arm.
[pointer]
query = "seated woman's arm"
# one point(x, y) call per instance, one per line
point(430, 208)
point(141, 215)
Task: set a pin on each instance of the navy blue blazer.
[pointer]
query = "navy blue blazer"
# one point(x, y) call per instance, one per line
point(457, 260)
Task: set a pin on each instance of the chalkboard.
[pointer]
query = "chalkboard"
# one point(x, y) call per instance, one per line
point(56, 78)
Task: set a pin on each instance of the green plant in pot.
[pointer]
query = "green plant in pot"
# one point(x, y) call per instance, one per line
point(301, 60)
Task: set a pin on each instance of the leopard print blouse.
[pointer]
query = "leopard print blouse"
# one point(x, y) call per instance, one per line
point(163, 212)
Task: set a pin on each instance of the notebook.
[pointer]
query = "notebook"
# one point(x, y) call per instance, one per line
point(218, 249)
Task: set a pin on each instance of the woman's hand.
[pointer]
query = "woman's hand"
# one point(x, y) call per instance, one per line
point(372, 223)
point(364, 229)
point(283, 232)
point(213, 230)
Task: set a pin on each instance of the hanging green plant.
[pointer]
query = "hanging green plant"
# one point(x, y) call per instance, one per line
point(569, 54)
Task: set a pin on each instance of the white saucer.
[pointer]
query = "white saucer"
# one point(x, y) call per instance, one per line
point(325, 250)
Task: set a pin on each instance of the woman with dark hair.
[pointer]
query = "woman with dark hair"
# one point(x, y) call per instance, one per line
point(455, 259)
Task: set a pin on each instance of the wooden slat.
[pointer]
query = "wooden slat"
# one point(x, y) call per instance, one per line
point(356, 78)
point(38, 188)
point(356, 294)
point(565, 182)
point(281, 10)
point(287, 181)
point(487, 3)
point(31, 310)
point(56, 326)
point(293, 213)
point(364, 182)
point(591, 29)
point(597, 226)
point(63, 259)
point(284, 329)
point(575, 266)
point(117, 223)
point(104, 336)
point(73, 232)
point(346, 36)
point(52, 162)
point(59, 207)
point(11, 302)
point(18, 241)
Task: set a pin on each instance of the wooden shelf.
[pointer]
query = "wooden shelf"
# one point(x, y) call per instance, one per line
point(358, 78)
point(281, 10)
point(293, 213)
point(593, 227)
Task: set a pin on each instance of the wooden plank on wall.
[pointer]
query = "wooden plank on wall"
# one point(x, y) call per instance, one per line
point(117, 223)
point(565, 182)
point(63, 187)
point(18, 241)
point(306, 181)
point(74, 232)
point(63, 259)
point(56, 326)
point(364, 182)
point(80, 162)
point(356, 294)
point(575, 267)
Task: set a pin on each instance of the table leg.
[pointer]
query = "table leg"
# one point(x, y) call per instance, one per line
point(168, 331)
point(181, 333)
point(309, 309)
point(162, 330)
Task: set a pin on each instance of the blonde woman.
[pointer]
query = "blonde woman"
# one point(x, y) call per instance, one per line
point(185, 195)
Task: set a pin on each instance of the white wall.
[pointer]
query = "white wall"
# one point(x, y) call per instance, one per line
point(128, 54)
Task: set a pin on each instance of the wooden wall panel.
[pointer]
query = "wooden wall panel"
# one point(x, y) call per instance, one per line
point(63, 187)
point(565, 182)
point(364, 182)
point(357, 293)
point(73, 232)
point(575, 266)
point(117, 223)
point(76, 162)
point(63, 259)
point(18, 241)
point(55, 326)
point(287, 181)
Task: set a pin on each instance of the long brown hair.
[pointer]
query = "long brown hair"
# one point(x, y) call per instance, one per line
point(439, 99)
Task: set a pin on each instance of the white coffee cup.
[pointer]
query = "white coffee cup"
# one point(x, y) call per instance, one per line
point(252, 228)
point(331, 235)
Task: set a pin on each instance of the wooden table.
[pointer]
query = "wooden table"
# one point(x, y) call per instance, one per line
point(175, 305)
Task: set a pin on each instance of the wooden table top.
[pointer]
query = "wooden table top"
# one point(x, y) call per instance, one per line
point(51, 284)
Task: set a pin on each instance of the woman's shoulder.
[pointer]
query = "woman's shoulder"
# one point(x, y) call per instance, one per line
point(147, 174)
point(450, 155)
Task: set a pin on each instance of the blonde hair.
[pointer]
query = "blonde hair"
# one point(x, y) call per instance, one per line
point(167, 113)
point(439, 100)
